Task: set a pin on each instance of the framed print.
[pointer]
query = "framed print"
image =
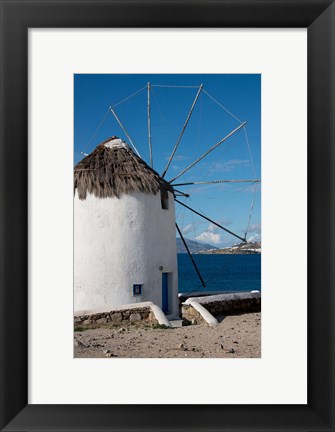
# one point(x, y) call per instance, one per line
point(60, 64)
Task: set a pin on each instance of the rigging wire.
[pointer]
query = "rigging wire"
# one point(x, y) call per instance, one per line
point(172, 86)
point(183, 129)
point(255, 186)
point(194, 233)
point(222, 106)
point(210, 220)
point(199, 129)
point(125, 132)
point(244, 188)
point(105, 116)
point(249, 150)
point(218, 160)
point(129, 97)
point(222, 140)
point(181, 210)
point(251, 210)
point(96, 131)
point(163, 116)
point(182, 220)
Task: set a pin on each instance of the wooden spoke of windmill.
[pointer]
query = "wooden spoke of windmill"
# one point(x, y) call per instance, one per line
point(178, 193)
point(191, 257)
point(215, 182)
point(208, 151)
point(183, 130)
point(212, 221)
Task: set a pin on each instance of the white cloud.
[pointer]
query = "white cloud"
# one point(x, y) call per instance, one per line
point(255, 228)
point(254, 232)
point(254, 238)
point(228, 166)
point(211, 227)
point(209, 237)
point(178, 158)
point(188, 228)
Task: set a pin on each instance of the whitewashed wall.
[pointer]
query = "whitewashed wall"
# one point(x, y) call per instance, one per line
point(119, 242)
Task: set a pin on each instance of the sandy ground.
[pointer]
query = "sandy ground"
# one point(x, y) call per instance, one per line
point(236, 336)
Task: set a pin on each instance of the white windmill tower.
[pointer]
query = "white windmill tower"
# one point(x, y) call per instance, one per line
point(124, 232)
point(125, 223)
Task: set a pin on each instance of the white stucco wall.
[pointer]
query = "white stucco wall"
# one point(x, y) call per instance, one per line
point(121, 242)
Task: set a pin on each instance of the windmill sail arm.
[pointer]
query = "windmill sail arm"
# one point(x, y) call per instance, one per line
point(112, 110)
point(191, 257)
point(181, 193)
point(183, 130)
point(209, 151)
point(217, 181)
point(149, 126)
point(213, 222)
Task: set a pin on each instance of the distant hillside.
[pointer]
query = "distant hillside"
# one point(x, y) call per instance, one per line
point(242, 248)
point(195, 247)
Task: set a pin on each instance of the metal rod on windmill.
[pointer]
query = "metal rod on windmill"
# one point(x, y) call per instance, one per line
point(210, 150)
point(191, 257)
point(215, 182)
point(124, 130)
point(149, 128)
point(210, 220)
point(181, 193)
point(183, 130)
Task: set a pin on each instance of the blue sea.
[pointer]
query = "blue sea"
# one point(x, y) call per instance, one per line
point(220, 273)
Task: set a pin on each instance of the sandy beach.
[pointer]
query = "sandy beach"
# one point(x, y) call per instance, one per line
point(236, 336)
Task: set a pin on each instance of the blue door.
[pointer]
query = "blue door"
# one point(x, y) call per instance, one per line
point(165, 293)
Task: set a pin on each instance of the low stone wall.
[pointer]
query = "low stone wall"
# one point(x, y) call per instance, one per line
point(222, 304)
point(120, 316)
point(191, 315)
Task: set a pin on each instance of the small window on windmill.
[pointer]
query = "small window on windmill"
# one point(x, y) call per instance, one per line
point(165, 199)
point(137, 289)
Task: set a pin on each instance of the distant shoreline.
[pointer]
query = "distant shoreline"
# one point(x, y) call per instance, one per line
point(223, 252)
point(246, 248)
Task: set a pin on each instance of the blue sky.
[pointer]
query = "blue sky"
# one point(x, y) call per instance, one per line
point(228, 204)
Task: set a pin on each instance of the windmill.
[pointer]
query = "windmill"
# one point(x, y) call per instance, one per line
point(172, 187)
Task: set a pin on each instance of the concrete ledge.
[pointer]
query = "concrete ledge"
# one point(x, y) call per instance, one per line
point(207, 316)
point(160, 316)
point(225, 297)
point(227, 304)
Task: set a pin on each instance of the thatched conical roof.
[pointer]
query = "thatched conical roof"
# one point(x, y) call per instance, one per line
point(113, 169)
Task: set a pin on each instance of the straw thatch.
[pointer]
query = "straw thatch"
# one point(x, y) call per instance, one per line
point(113, 171)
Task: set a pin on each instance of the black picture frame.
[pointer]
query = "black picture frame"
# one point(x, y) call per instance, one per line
point(19, 15)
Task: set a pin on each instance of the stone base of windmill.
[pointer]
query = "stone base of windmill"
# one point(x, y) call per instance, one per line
point(140, 313)
point(111, 318)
